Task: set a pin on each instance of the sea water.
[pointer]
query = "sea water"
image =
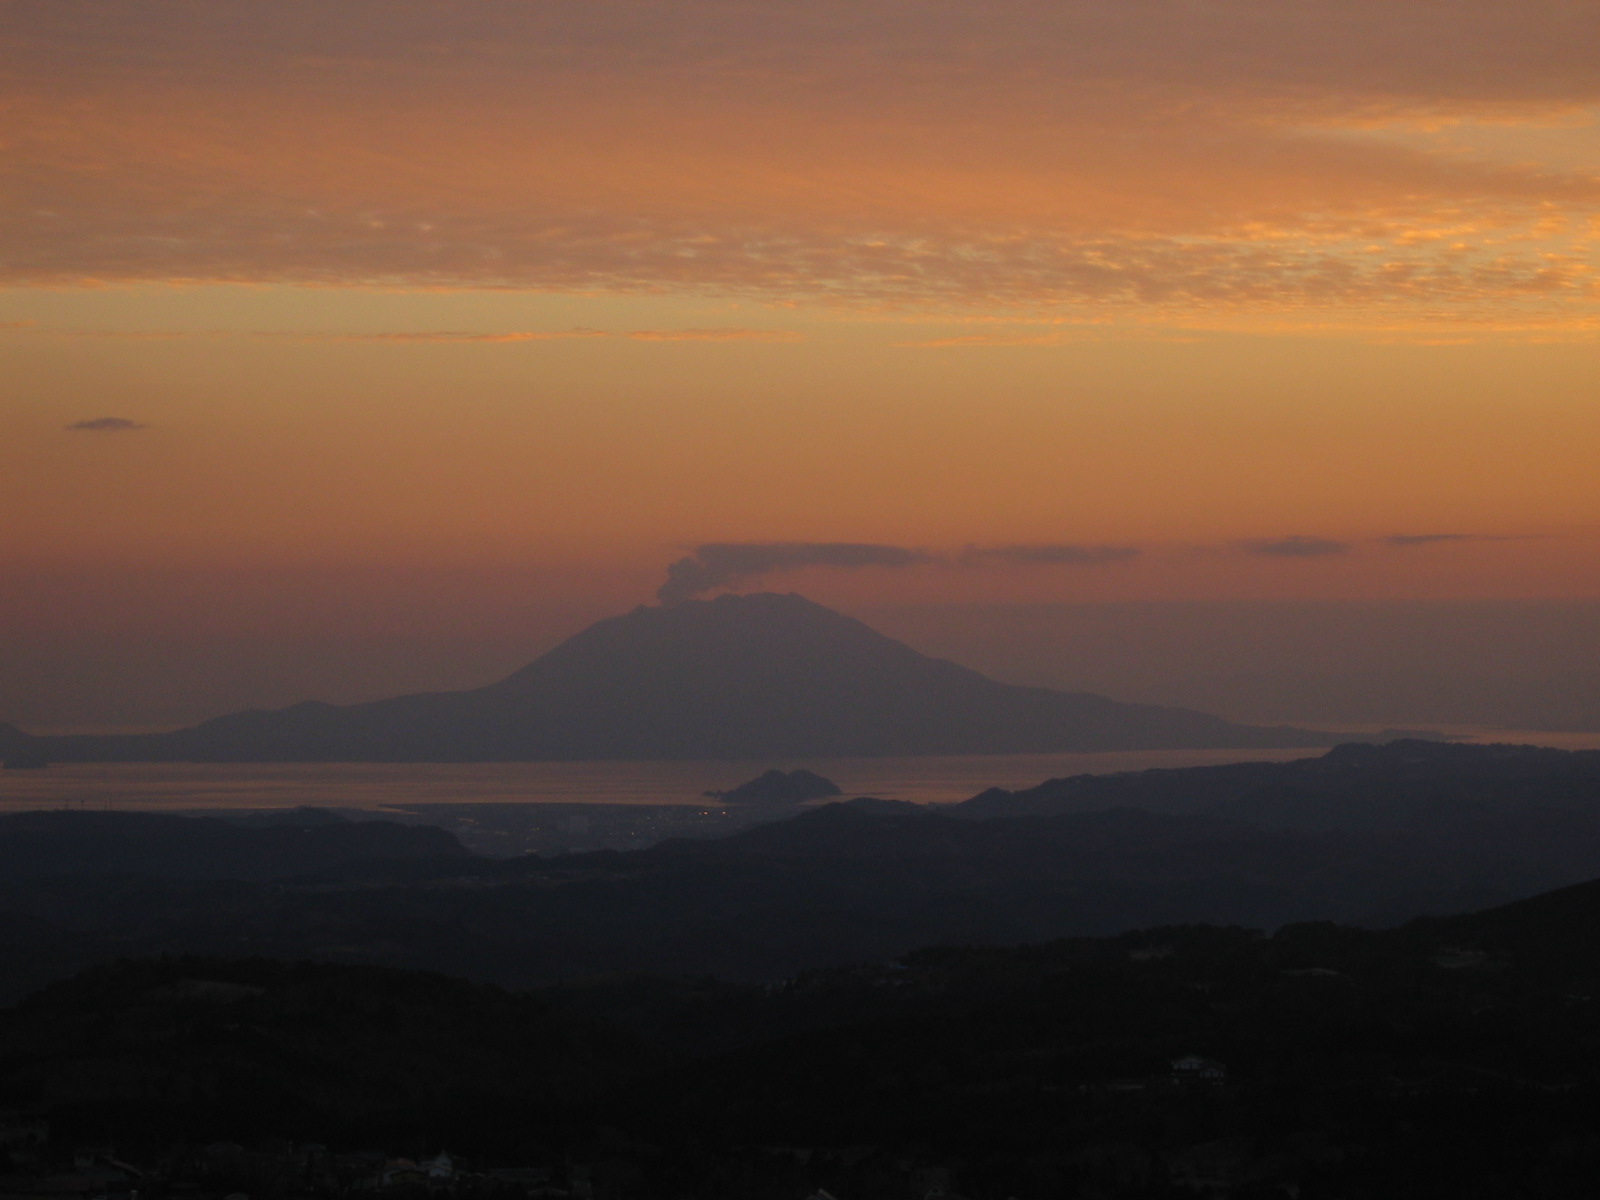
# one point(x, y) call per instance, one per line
point(152, 787)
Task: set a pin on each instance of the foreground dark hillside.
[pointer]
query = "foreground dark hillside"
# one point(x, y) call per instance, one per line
point(209, 1050)
point(1455, 1057)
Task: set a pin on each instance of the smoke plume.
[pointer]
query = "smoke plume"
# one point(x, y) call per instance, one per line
point(722, 564)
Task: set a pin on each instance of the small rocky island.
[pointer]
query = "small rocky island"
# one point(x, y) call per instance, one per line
point(779, 787)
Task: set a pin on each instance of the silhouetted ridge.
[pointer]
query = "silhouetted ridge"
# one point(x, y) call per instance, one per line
point(762, 676)
point(1370, 836)
point(1402, 784)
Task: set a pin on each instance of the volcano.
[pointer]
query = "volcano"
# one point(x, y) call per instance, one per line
point(760, 676)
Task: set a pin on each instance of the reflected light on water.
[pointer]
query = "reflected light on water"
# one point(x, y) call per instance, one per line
point(376, 786)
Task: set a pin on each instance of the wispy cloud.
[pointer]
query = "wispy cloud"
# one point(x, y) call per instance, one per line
point(107, 425)
point(725, 564)
point(1231, 157)
point(434, 335)
point(978, 340)
point(713, 335)
point(1065, 554)
point(632, 335)
point(1407, 540)
point(441, 335)
point(1427, 539)
point(729, 564)
point(1296, 546)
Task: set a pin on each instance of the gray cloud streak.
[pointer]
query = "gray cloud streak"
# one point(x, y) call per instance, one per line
point(1427, 539)
point(726, 564)
point(1066, 554)
point(1407, 540)
point(1296, 546)
point(722, 564)
point(106, 425)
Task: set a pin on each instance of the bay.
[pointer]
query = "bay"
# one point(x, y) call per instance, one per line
point(154, 787)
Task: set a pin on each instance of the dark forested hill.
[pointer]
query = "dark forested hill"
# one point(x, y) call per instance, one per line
point(206, 1050)
point(1451, 1057)
point(1394, 785)
point(1398, 832)
point(752, 1016)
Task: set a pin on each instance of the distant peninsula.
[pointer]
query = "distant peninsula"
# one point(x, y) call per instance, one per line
point(735, 677)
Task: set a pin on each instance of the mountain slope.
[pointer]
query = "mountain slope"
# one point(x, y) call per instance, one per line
point(1448, 1058)
point(735, 677)
point(1404, 784)
point(850, 882)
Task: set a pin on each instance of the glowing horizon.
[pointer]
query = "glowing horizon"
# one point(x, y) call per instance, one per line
point(561, 292)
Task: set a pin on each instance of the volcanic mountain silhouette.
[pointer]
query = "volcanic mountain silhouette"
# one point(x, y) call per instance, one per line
point(738, 676)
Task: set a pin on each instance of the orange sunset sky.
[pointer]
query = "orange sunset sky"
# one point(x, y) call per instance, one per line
point(442, 319)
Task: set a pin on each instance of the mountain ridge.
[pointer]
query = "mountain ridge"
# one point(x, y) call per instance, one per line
point(848, 882)
point(738, 676)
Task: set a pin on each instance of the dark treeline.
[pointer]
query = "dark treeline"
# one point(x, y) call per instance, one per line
point(1449, 1057)
point(1363, 835)
point(1091, 1011)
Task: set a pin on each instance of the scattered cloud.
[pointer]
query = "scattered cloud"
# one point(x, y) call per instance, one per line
point(727, 564)
point(1296, 546)
point(984, 339)
point(132, 335)
point(1055, 555)
point(633, 335)
point(1330, 156)
point(1428, 539)
point(1405, 540)
point(442, 335)
point(713, 335)
point(449, 335)
point(107, 425)
point(724, 564)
